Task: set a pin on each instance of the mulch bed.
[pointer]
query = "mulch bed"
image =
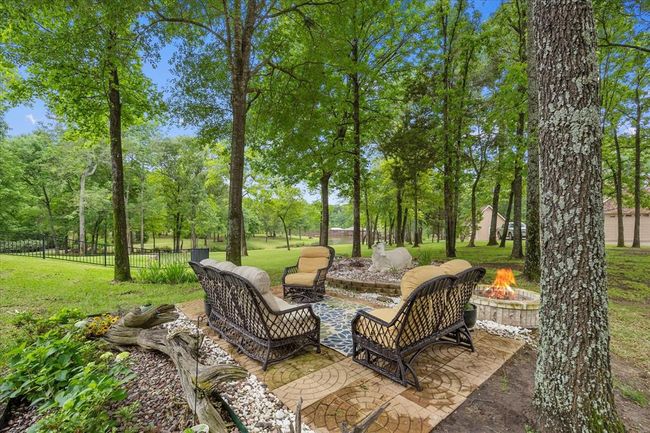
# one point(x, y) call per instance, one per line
point(503, 403)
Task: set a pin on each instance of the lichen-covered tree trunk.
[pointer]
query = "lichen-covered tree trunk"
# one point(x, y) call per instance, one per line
point(531, 263)
point(573, 384)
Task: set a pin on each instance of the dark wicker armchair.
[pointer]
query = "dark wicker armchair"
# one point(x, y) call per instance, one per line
point(388, 340)
point(305, 282)
point(241, 316)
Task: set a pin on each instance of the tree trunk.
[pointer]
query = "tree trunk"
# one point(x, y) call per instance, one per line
point(416, 240)
point(286, 233)
point(235, 212)
point(368, 220)
point(50, 218)
point(356, 173)
point(517, 244)
point(531, 263)
point(88, 171)
point(472, 236)
point(404, 220)
point(325, 209)
point(122, 267)
point(399, 239)
point(636, 241)
point(618, 185)
point(142, 179)
point(244, 245)
point(573, 384)
point(495, 210)
point(506, 223)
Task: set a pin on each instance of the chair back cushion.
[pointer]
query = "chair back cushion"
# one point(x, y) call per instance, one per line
point(413, 278)
point(455, 266)
point(258, 278)
point(220, 266)
point(313, 259)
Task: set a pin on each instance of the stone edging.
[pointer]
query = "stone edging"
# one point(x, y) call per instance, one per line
point(385, 288)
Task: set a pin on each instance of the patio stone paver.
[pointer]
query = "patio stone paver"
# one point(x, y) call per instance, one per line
point(321, 383)
point(335, 389)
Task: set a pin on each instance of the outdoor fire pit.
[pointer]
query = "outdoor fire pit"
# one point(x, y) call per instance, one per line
point(502, 303)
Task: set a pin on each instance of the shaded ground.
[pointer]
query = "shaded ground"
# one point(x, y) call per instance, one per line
point(503, 403)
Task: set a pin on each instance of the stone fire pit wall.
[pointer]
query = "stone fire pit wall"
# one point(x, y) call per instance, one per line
point(385, 288)
point(522, 312)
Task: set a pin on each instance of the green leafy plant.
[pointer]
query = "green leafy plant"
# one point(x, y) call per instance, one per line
point(81, 405)
point(39, 370)
point(173, 273)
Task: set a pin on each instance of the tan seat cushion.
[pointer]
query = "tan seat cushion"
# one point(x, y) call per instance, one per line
point(384, 335)
point(305, 279)
point(277, 304)
point(455, 266)
point(290, 324)
point(413, 278)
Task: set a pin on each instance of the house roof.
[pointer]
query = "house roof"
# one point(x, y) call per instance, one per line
point(490, 207)
point(609, 208)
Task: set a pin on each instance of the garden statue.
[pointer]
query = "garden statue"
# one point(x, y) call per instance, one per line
point(383, 260)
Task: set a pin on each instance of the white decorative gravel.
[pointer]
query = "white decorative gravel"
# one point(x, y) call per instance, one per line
point(388, 301)
point(508, 331)
point(259, 409)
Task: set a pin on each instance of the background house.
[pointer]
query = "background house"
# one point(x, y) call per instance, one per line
point(611, 223)
point(483, 232)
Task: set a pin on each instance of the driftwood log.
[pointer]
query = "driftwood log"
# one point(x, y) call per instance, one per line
point(197, 380)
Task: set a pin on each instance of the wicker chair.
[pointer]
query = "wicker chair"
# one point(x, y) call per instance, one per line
point(305, 282)
point(243, 317)
point(388, 340)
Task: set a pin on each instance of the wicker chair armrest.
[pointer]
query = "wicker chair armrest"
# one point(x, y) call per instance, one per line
point(313, 319)
point(370, 317)
point(289, 270)
point(320, 275)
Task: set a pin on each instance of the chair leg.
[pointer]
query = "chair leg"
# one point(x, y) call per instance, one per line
point(465, 332)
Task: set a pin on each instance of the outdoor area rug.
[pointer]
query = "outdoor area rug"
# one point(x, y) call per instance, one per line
point(335, 321)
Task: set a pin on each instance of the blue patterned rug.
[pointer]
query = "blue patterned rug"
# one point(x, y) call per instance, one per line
point(335, 322)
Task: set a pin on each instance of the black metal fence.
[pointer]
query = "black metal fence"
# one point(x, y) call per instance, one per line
point(97, 253)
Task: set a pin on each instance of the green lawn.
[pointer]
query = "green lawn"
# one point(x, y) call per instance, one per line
point(44, 286)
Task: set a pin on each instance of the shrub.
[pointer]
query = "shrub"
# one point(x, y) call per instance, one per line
point(425, 257)
point(174, 273)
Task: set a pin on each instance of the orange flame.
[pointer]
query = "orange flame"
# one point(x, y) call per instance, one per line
point(501, 288)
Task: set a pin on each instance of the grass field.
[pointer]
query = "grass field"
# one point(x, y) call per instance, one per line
point(44, 286)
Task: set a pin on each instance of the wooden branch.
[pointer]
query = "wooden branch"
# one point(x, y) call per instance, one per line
point(197, 380)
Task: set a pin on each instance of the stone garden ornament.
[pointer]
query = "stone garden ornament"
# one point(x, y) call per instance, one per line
point(383, 260)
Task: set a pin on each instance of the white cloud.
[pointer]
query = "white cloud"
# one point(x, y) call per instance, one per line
point(30, 118)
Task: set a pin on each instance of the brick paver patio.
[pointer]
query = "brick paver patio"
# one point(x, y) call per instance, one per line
point(335, 389)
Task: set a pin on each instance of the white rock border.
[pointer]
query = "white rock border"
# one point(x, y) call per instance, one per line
point(367, 296)
point(508, 331)
point(258, 408)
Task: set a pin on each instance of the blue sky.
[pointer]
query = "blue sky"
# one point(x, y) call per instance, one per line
point(25, 118)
